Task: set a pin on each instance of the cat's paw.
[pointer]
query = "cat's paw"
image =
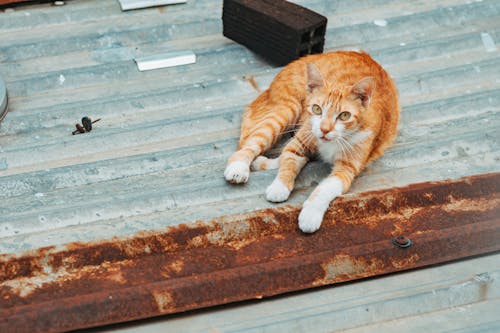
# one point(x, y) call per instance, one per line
point(277, 191)
point(264, 163)
point(310, 219)
point(237, 172)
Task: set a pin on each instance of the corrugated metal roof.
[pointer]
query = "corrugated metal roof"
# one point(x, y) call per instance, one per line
point(165, 135)
point(157, 156)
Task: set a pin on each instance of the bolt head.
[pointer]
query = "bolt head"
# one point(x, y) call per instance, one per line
point(401, 241)
point(87, 123)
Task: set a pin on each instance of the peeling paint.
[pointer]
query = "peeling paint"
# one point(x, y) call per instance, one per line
point(406, 262)
point(344, 267)
point(164, 300)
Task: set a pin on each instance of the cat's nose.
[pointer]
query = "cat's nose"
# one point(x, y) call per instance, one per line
point(325, 129)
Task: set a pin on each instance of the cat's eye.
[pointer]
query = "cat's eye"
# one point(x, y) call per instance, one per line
point(344, 116)
point(316, 109)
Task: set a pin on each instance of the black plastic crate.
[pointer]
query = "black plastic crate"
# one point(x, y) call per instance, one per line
point(278, 30)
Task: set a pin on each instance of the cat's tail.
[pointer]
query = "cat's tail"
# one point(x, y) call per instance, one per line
point(264, 163)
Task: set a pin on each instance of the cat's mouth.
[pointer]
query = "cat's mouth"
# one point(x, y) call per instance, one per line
point(324, 138)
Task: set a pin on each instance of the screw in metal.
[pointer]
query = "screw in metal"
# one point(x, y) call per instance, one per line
point(401, 241)
point(79, 129)
point(87, 125)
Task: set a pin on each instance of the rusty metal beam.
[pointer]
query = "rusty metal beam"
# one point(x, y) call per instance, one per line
point(5, 3)
point(10, 2)
point(247, 256)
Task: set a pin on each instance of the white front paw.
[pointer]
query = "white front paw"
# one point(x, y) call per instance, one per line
point(310, 219)
point(237, 172)
point(277, 191)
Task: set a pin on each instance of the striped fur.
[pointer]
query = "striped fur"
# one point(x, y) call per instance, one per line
point(359, 112)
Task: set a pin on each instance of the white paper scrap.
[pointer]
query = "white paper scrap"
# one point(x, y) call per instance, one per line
point(164, 60)
point(138, 4)
point(488, 42)
point(380, 23)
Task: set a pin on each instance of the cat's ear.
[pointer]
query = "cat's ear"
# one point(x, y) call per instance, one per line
point(363, 90)
point(314, 78)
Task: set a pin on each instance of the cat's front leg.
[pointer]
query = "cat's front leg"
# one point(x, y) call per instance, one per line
point(292, 160)
point(315, 206)
point(260, 139)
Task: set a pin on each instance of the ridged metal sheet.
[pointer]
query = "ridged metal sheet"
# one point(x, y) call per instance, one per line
point(159, 151)
point(157, 156)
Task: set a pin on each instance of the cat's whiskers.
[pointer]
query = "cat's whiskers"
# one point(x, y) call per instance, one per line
point(294, 127)
point(289, 131)
point(341, 145)
point(309, 138)
point(348, 150)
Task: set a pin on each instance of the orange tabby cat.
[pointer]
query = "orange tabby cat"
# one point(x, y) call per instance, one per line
point(346, 108)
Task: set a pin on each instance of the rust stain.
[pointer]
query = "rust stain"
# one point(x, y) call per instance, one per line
point(164, 301)
point(406, 262)
point(471, 205)
point(172, 268)
point(26, 286)
point(345, 267)
point(251, 79)
point(246, 256)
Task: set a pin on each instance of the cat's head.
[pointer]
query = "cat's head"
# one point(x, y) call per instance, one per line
point(335, 112)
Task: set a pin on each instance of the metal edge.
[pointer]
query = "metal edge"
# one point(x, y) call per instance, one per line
point(4, 99)
point(247, 256)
